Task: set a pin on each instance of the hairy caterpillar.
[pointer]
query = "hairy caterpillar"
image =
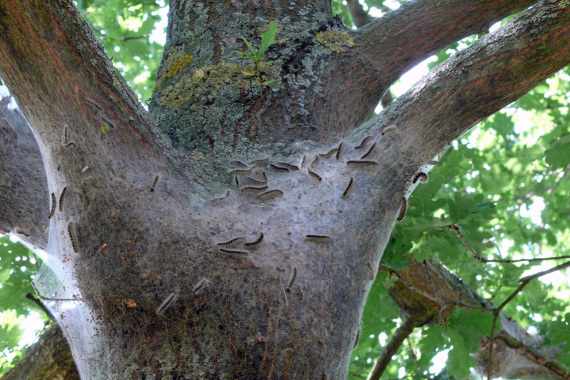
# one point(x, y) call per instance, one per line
point(64, 139)
point(253, 187)
point(388, 129)
point(61, 198)
point(240, 171)
point(257, 181)
point(256, 241)
point(228, 242)
point(317, 236)
point(168, 301)
point(53, 206)
point(329, 153)
point(361, 162)
point(270, 193)
point(421, 176)
point(367, 153)
point(291, 280)
point(278, 167)
point(201, 284)
point(338, 151)
point(403, 209)
point(348, 187)
point(234, 251)
point(315, 175)
point(71, 231)
point(239, 164)
point(363, 142)
point(154, 182)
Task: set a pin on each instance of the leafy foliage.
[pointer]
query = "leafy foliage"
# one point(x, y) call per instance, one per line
point(505, 184)
point(17, 266)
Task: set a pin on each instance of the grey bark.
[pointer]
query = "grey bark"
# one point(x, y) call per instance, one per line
point(23, 187)
point(147, 231)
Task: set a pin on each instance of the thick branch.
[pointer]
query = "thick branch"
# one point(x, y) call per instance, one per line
point(23, 188)
point(482, 79)
point(401, 39)
point(387, 47)
point(61, 78)
point(428, 289)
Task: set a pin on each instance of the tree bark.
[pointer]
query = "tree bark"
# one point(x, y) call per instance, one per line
point(243, 246)
point(23, 187)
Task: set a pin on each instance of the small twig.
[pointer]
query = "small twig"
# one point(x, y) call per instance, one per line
point(477, 256)
point(523, 282)
point(403, 332)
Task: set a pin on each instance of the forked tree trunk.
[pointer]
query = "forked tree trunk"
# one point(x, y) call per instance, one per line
point(234, 232)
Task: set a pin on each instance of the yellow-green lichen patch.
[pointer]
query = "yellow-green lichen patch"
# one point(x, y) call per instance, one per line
point(202, 82)
point(104, 127)
point(176, 64)
point(335, 41)
point(207, 82)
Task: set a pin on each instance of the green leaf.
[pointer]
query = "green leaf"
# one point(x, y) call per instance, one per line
point(558, 156)
point(268, 38)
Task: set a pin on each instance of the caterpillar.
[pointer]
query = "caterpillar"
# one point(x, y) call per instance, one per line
point(53, 206)
point(253, 187)
point(329, 153)
point(154, 182)
point(315, 175)
point(72, 237)
point(421, 176)
point(270, 193)
point(361, 162)
point(257, 181)
point(284, 166)
point(200, 284)
point(388, 129)
point(256, 241)
point(64, 139)
point(363, 142)
point(239, 164)
point(168, 301)
point(314, 162)
point(338, 151)
point(240, 171)
point(291, 280)
point(228, 242)
point(348, 187)
point(61, 198)
point(367, 153)
point(317, 236)
point(234, 251)
point(403, 209)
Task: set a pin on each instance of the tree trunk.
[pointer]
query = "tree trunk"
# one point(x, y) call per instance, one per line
point(233, 233)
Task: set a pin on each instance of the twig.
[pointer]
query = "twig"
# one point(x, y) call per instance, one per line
point(477, 256)
point(523, 282)
point(404, 331)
